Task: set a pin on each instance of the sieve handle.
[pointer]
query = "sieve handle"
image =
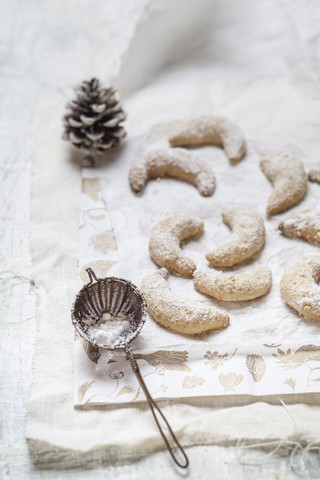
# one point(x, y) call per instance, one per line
point(155, 409)
point(92, 276)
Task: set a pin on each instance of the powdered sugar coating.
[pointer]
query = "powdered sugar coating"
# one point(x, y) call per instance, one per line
point(288, 177)
point(177, 163)
point(314, 175)
point(241, 287)
point(165, 239)
point(248, 236)
point(176, 313)
point(212, 130)
point(304, 224)
point(299, 287)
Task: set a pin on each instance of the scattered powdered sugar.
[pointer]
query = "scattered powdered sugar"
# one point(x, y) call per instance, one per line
point(108, 329)
point(265, 320)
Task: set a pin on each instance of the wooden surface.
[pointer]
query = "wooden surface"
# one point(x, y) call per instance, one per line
point(45, 47)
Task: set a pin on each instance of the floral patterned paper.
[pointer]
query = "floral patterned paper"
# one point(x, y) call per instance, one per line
point(185, 373)
point(204, 369)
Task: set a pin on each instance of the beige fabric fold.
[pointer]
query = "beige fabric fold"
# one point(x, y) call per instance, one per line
point(61, 436)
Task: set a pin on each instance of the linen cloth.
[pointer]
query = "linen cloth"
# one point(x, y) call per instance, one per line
point(59, 434)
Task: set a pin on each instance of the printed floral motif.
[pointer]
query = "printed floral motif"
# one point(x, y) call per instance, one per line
point(103, 242)
point(82, 390)
point(91, 187)
point(161, 370)
point(96, 214)
point(93, 216)
point(163, 388)
point(125, 390)
point(215, 360)
point(91, 350)
point(291, 382)
point(116, 374)
point(309, 353)
point(169, 359)
point(256, 366)
point(192, 382)
point(230, 381)
point(290, 360)
point(300, 358)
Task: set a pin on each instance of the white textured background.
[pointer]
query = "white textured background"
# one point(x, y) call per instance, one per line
point(45, 47)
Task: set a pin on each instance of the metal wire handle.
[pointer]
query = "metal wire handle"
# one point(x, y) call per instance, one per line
point(154, 407)
point(92, 276)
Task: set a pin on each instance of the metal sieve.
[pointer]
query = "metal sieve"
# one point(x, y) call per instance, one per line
point(116, 295)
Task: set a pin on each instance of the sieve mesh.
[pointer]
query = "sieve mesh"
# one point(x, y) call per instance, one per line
point(109, 295)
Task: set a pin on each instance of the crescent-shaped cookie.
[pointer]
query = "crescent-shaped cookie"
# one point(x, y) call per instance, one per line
point(233, 288)
point(177, 163)
point(208, 129)
point(165, 239)
point(304, 224)
point(177, 313)
point(299, 287)
point(248, 236)
point(288, 177)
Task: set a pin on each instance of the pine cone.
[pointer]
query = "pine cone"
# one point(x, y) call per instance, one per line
point(93, 121)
